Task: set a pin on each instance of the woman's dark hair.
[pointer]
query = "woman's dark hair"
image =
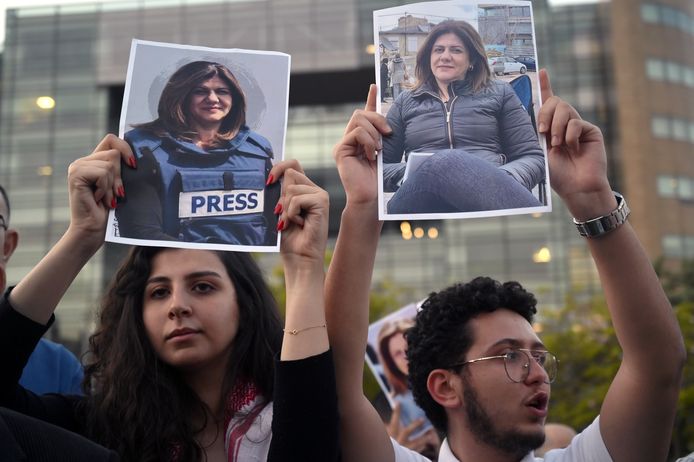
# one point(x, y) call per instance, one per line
point(396, 377)
point(479, 75)
point(173, 103)
point(442, 335)
point(140, 406)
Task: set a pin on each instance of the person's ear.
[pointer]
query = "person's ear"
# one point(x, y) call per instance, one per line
point(11, 240)
point(445, 388)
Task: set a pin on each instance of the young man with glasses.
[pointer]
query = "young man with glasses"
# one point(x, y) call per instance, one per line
point(476, 365)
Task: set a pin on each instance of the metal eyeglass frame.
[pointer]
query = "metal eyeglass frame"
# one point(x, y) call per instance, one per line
point(3, 223)
point(551, 375)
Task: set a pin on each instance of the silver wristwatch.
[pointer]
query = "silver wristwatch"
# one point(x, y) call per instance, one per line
point(602, 225)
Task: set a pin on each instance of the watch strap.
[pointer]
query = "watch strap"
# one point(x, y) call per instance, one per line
point(599, 226)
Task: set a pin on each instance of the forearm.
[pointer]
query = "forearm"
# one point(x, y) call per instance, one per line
point(37, 294)
point(640, 311)
point(305, 417)
point(348, 283)
point(646, 387)
point(305, 332)
point(347, 288)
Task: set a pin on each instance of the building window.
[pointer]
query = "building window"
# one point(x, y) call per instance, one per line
point(689, 76)
point(668, 16)
point(412, 43)
point(674, 72)
point(667, 186)
point(649, 13)
point(660, 127)
point(676, 187)
point(678, 246)
point(685, 189)
point(679, 130)
point(655, 69)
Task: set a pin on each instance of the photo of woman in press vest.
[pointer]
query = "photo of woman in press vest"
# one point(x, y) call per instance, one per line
point(202, 172)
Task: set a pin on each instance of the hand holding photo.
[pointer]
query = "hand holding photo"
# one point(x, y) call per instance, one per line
point(443, 70)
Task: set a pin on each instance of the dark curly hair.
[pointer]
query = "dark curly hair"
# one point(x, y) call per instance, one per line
point(441, 335)
point(140, 406)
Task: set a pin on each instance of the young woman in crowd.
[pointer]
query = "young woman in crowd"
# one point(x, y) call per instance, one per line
point(182, 366)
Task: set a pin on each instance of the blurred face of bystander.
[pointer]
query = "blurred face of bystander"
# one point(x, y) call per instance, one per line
point(8, 241)
point(397, 348)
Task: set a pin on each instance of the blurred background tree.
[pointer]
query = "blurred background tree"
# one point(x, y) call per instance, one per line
point(385, 297)
point(582, 337)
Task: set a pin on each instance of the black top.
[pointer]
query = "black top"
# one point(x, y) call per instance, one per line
point(305, 417)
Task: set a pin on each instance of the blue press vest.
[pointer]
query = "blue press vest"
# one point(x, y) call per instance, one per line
point(210, 196)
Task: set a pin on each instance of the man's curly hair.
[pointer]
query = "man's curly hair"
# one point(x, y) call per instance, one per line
point(441, 335)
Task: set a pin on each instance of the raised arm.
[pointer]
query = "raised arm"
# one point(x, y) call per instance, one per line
point(94, 184)
point(363, 435)
point(305, 419)
point(303, 218)
point(638, 412)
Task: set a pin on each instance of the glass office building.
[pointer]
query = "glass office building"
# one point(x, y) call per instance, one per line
point(62, 82)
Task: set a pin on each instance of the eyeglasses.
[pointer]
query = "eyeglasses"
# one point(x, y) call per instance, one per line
point(3, 223)
point(517, 363)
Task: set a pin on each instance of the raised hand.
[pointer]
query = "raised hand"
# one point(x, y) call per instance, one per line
point(355, 153)
point(303, 219)
point(577, 160)
point(429, 441)
point(94, 184)
point(303, 214)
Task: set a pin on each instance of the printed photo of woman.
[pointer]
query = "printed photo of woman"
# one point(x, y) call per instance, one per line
point(202, 171)
point(473, 145)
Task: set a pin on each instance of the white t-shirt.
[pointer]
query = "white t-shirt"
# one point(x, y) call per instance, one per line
point(587, 446)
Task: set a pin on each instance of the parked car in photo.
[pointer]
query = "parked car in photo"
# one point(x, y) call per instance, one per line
point(528, 61)
point(503, 65)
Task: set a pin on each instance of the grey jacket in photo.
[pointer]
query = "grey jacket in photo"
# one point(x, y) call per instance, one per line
point(490, 123)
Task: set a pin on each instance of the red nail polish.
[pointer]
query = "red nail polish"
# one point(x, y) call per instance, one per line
point(113, 203)
point(270, 180)
point(121, 191)
point(278, 208)
point(132, 162)
point(280, 225)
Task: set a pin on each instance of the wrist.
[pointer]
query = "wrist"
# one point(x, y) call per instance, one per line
point(361, 205)
point(82, 243)
point(304, 271)
point(361, 211)
point(588, 205)
point(603, 224)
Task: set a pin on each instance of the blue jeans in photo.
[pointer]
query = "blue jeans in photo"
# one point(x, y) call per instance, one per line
point(454, 181)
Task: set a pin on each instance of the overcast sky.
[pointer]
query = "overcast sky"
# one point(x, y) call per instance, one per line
point(4, 4)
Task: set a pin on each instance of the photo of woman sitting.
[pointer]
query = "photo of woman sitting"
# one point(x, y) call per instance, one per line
point(485, 151)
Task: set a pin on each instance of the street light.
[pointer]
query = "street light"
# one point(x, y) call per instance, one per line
point(45, 102)
point(543, 255)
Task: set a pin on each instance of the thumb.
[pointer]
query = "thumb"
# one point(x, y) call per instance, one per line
point(371, 99)
point(545, 86)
